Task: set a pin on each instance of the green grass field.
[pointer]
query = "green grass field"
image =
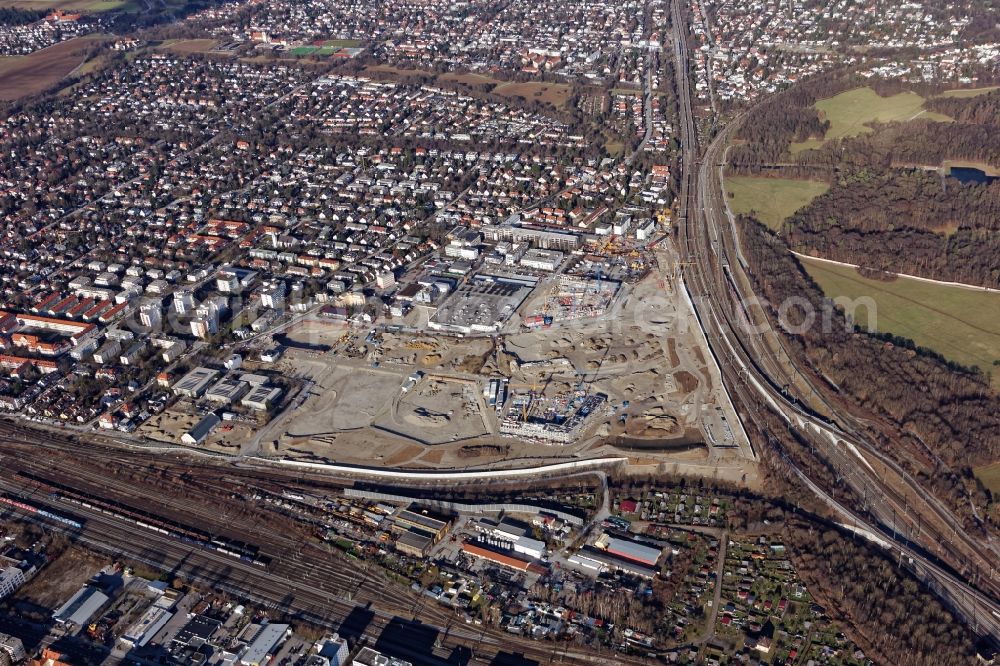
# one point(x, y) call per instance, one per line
point(772, 199)
point(963, 325)
point(969, 92)
point(990, 476)
point(304, 50)
point(850, 112)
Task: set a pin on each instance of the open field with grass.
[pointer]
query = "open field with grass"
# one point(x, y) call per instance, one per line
point(467, 78)
point(398, 71)
point(82, 6)
point(850, 112)
point(341, 43)
point(963, 325)
point(772, 199)
point(614, 147)
point(188, 46)
point(990, 477)
point(969, 92)
point(26, 75)
point(555, 94)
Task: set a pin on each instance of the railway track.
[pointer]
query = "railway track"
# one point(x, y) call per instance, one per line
point(327, 597)
point(760, 378)
point(304, 581)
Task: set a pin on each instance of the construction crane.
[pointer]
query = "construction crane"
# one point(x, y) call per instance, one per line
point(547, 300)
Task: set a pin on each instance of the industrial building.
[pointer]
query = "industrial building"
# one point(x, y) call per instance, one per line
point(196, 633)
point(195, 383)
point(411, 519)
point(499, 552)
point(514, 533)
point(481, 305)
point(265, 644)
point(227, 390)
point(413, 543)
point(150, 623)
point(197, 434)
point(417, 531)
point(601, 562)
point(632, 551)
point(81, 607)
point(261, 397)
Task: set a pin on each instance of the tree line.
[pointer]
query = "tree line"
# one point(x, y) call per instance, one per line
point(905, 221)
point(890, 615)
point(937, 433)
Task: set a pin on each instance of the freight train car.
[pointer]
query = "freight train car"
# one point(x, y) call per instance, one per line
point(228, 547)
point(39, 511)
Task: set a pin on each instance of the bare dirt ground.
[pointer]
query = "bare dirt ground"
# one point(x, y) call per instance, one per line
point(61, 578)
point(169, 425)
point(436, 411)
point(21, 76)
point(642, 355)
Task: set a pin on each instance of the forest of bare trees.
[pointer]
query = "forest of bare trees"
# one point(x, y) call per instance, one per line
point(938, 432)
point(885, 210)
point(905, 221)
point(893, 617)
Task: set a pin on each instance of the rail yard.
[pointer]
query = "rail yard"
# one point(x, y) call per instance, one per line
point(424, 334)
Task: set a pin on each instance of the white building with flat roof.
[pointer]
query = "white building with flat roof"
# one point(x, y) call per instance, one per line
point(147, 626)
point(11, 578)
point(265, 644)
point(195, 383)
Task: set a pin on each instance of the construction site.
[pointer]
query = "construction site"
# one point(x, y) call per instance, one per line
point(618, 370)
point(558, 419)
point(567, 298)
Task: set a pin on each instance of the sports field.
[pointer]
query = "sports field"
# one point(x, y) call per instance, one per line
point(850, 112)
point(188, 46)
point(341, 43)
point(772, 200)
point(963, 325)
